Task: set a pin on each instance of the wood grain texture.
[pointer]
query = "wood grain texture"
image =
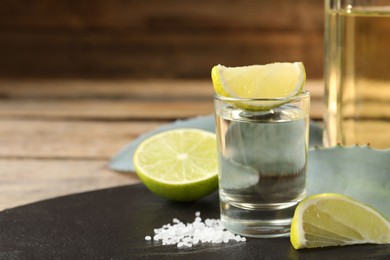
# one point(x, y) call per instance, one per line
point(154, 39)
point(28, 180)
point(108, 89)
point(120, 89)
point(105, 110)
point(118, 100)
point(68, 139)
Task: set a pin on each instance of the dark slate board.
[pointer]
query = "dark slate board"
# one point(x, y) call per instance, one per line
point(112, 224)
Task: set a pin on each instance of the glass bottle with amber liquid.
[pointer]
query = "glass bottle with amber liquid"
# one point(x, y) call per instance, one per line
point(357, 73)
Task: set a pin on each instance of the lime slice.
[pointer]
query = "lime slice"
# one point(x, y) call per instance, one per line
point(271, 81)
point(178, 164)
point(335, 220)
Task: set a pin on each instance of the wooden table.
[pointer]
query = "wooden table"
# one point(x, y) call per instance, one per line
point(57, 136)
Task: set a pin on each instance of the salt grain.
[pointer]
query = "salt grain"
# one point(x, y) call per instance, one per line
point(187, 235)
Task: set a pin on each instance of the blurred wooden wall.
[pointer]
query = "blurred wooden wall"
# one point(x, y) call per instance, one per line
point(155, 38)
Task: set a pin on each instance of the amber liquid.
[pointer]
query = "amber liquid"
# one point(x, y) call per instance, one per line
point(357, 77)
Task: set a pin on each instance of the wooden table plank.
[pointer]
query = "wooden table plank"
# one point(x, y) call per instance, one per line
point(104, 110)
point(67, 139)
point(105, 89)
point(119, 89)
point(116, 110)
point(29, 180)
point(168, 100)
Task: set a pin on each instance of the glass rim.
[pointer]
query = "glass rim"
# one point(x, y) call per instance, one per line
point(301, 95)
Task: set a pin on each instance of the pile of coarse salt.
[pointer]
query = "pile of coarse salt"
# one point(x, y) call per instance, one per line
point(182, 235)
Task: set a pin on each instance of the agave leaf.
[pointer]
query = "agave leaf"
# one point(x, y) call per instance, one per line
point(360, 172)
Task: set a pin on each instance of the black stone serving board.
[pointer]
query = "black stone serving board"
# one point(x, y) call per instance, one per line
point(112, 224)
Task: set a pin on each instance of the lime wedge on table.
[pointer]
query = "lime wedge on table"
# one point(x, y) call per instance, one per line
point(335, 220)
point(274, 80)
point(178, 164)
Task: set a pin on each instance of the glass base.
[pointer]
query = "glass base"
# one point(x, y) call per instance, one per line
point(259, 223)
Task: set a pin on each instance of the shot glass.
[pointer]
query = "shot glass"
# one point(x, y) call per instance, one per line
point(262, 162)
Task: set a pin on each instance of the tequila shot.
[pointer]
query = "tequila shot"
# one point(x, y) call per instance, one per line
point(262, 162)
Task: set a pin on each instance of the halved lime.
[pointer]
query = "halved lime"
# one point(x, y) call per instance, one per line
point(271, 81)
point(335, 220)
point(178, 164)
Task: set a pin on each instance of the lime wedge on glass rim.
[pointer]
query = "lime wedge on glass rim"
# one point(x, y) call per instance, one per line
point(330, 219)
point(178, 164)
point(278, 81)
